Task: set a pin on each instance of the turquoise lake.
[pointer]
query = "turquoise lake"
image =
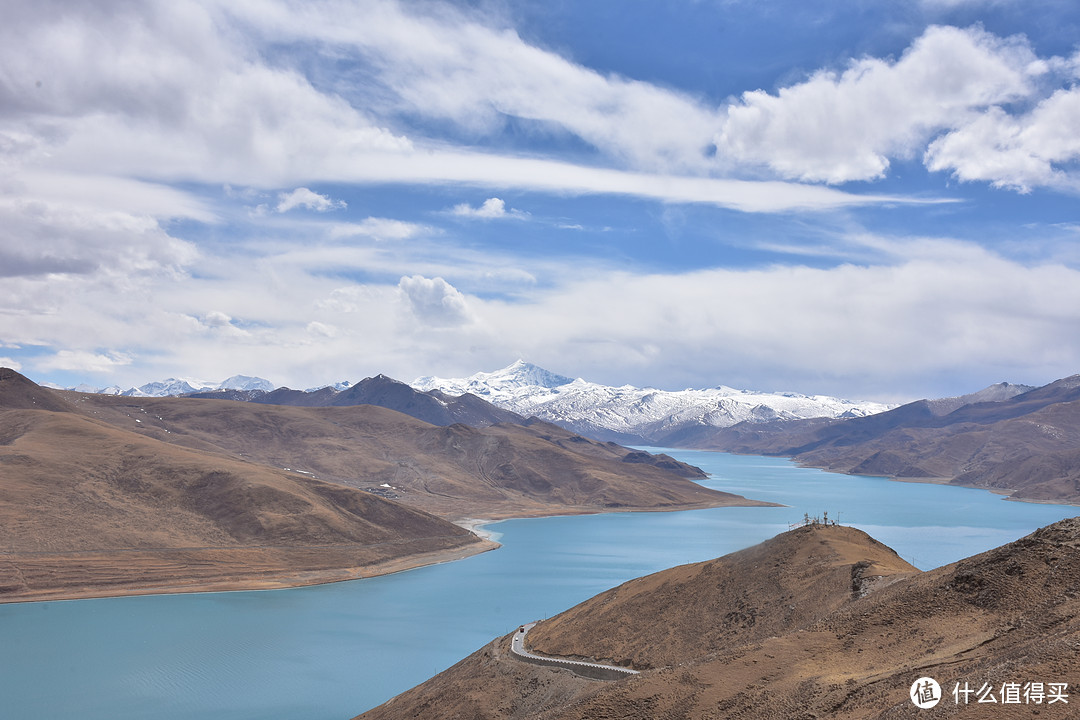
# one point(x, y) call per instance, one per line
point(330, 652)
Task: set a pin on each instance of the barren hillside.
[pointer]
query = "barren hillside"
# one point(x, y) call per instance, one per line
point(108, 495)
point(820, 622)
point(454, 471)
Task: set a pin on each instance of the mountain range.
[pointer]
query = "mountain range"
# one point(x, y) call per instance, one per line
point(632, 415)
point(1016, 439)
point(627, 414)
point(179, 386)
point(433, 406)
point(107, 494)
point(818, 622)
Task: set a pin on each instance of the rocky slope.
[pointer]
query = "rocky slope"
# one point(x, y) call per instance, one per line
point(820, 622)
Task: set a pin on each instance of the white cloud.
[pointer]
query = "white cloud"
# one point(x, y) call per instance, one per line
point(305, 198)
point(41, 237)
point(321, 329)
point(949, 308)
point(83, 361)
point(11, 363)
point(217, 319)
point(846, 126)
point(918, 309)
point(452, 65)
point(140, 106)
point(435, 302)
point(491, 209)
point(1017, 152)
point(379, 229)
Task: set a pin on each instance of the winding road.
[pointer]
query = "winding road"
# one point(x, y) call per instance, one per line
point(593, 671)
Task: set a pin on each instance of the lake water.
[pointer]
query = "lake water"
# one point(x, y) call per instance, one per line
point(332, 651)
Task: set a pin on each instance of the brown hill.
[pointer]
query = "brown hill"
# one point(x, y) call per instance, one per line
point(785, 583)
point(432, 406)
point(1027, 446)
point(820, 622)
point(457, 471)
point(110, 495)
point(89, 509)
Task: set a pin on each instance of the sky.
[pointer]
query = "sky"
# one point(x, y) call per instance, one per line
point(873, 199)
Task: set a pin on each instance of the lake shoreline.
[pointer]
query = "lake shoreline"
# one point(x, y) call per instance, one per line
point(1005, 492)
point(272, 579)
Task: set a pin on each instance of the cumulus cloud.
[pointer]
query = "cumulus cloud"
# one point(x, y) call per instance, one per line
point(838, 127)
point(491, 209)
point(41, 237)
point(435, 302)
point(1019, 152)
point(302, 197)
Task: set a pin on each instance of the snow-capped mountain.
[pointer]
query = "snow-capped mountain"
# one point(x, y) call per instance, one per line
point(519, 380)
point(631, 414)
point(246, 382)
point(170, 386)
point(336, 387)
point(183, 386)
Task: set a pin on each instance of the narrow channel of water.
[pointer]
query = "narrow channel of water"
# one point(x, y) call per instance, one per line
point(332, 651)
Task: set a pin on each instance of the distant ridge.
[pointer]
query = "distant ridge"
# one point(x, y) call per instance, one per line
point(183, 386)
point(1026, 444)
point(435, 407)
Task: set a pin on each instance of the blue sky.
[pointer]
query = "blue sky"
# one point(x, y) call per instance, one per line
point(868, 199)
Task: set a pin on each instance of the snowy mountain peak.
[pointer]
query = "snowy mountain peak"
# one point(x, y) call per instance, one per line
point(336, 387)
point(513, 379)
point(245, 382)
point(183, 386)
point(524, 374)
point(169, 386)
point(631, 414)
